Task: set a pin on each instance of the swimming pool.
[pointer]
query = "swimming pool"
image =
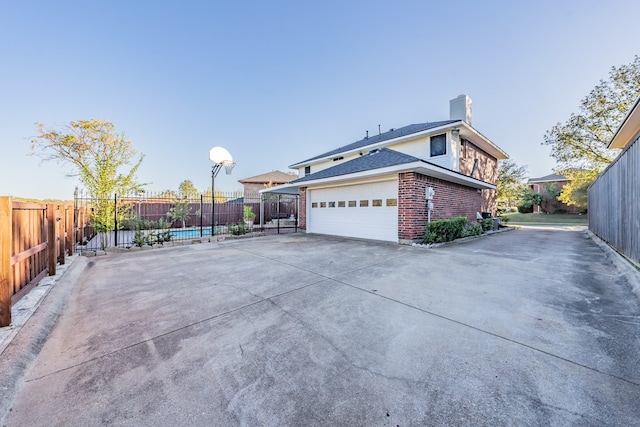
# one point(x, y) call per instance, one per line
point(193, 233)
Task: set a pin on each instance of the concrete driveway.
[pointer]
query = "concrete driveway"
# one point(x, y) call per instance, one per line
point(528, 327)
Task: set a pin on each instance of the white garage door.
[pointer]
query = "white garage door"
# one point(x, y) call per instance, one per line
point(368, 211)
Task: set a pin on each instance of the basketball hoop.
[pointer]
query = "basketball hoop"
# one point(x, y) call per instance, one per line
point(228, 166)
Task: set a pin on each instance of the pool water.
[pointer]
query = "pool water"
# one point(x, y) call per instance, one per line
point(192, 233)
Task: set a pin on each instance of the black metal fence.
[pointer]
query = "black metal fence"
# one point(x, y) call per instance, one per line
point(146, 219)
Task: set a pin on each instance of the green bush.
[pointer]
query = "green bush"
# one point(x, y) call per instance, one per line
point(487, 224)
point(471, 229)
point(525, 209)
point(239, 229)
point(139, 239)
point(445, 230)
point(503, 218)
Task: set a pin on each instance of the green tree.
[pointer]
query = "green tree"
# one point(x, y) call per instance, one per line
point(509, 184)
point(97, 153)
point(580, 144)
point(101, 158)
point(180, 211)
point(529, 199)
point(186, 189)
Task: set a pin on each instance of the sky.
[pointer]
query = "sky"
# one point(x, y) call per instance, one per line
point(278, 82)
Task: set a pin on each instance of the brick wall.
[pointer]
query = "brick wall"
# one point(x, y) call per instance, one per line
point(251, 188)
point(450, 200)
point(302, 214)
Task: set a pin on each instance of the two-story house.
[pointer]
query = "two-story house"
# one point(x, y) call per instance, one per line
point(375, 188)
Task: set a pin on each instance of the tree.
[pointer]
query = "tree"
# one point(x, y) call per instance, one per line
point(509, 184)
point(186, 189)
point(96, 152)
point(99, 157)
point(580, 144)
point(529, 199)
point(180, 211)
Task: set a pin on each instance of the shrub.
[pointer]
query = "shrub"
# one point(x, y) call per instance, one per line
point(525, 209)
point(163, 236)
point(503, 218)
point(248, 213)
point(139, 239)
point(239, 229)
point(445, 230)
point(471, 229)
point(487, 224)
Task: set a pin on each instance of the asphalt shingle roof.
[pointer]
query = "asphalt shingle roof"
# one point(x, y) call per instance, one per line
point(277, 177)
point(374, 160)
point(395, 133)
point(552, 177)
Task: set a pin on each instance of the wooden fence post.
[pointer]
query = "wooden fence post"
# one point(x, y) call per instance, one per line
point(68, 220)
point(6, 276)
point(51, 238)
point(61, 228)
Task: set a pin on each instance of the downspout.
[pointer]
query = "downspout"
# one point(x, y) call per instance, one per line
point(473, 169)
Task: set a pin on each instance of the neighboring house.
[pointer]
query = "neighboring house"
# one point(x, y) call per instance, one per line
point(614, 197)
point(550, 203)
point(375, 188)
point(254, 184)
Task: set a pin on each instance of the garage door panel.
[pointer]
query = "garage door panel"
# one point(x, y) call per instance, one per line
point(370, 222)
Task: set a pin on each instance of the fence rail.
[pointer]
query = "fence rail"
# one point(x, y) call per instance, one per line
point(33, 240)
point(614, 203)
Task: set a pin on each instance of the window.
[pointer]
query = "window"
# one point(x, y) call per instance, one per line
point(332, 204)
point(376, 202)
point(307, 170)
point(364, 203)
point(438, 145)
point(314, 204)
point(392, 202)
point(352, 203)
point(323, 204)
point(341, 204)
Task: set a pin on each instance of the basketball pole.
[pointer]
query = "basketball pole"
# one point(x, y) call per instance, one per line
point(214, 171)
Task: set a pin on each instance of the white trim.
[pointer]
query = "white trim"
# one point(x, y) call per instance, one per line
point(350, 183)
point(629, 129)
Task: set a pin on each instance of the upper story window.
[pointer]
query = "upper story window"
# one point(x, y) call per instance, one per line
point(438, 145)
point(307, 170)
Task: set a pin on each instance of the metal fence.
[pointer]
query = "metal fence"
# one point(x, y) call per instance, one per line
point(614, 203)
point(147, 219)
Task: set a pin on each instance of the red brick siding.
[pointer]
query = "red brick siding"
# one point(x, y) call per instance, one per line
point(450, 200)
point(302, 212)
point(549, 205)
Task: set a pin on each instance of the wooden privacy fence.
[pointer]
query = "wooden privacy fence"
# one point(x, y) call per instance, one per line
point(33, 240)
point(614, 203)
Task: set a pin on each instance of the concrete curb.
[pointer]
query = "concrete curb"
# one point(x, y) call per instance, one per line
point(25, 340)
point(626, 267)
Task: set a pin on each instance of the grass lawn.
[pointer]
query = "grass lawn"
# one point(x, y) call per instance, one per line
point(544, 219)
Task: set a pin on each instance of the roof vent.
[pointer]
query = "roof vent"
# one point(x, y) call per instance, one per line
point(374, 151)
point(392, 129)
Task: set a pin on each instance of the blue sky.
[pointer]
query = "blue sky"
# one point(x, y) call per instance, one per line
point(281, 81)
